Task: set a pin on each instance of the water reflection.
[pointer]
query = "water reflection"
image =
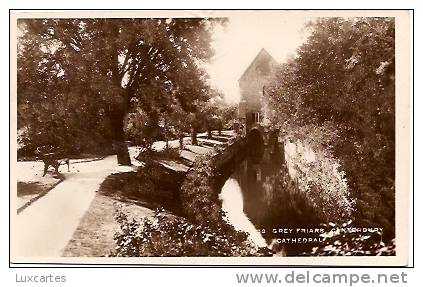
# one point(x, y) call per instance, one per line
point(261, 199)
point(233, 205)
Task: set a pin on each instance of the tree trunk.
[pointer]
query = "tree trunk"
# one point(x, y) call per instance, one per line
point(120, 146)
point(181, 141)
point(166, 134)
point(209, 133)
point(194, 136)
point(220, 127)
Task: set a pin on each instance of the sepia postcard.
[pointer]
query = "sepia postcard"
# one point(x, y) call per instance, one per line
point(202, 137)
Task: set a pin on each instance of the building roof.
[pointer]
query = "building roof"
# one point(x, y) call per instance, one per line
point(262, 56)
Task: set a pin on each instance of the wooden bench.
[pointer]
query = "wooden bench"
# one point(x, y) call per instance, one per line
point(54, 160)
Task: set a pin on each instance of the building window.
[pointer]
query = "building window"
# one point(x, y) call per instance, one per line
point(256, 117)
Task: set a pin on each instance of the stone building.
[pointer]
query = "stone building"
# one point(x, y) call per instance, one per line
point(252, 88)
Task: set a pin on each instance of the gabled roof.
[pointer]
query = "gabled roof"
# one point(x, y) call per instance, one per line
point(263, 55)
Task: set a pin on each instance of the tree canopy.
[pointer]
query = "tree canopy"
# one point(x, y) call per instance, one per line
point(81, 77)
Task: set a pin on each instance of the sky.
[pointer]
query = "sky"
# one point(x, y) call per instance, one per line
point(237, 44)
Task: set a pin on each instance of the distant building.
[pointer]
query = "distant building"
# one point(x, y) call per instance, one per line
point(252, 87)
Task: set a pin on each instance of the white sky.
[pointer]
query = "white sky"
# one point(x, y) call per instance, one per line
point(239, 42)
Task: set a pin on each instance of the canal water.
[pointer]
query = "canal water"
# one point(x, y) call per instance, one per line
point(261, 199)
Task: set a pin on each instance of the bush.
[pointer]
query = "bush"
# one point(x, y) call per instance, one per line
point(200, 201)
point(165, 235)
point(339, 242)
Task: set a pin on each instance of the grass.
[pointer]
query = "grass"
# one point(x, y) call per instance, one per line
point(29, 192)
point(152, 187)
point(168, 154)
point(94, 235)
point(30, 188)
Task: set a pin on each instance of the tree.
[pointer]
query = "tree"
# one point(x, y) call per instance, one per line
point(177, 118)
point(116, 64)
point(55, 109)
point(226, 115)
point(210, 115)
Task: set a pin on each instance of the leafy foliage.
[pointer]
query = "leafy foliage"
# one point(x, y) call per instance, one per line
point(339, 242)
point(200, 201)
point(164, 235)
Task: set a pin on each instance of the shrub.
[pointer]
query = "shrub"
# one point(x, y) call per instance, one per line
point(200, 202)
point(165, 235)
point(340, 242)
